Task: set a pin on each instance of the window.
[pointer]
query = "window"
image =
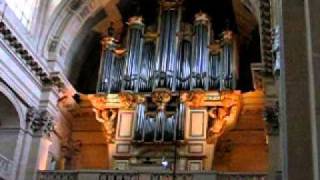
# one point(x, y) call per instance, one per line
point(24, 10)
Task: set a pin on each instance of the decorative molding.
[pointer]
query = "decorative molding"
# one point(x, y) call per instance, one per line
point(108, 118)
point(29, 60)
point(225, 116)
point(161, 97)
point(128, 100)
point(39, 121)
point(266, 35)
point(195, 98)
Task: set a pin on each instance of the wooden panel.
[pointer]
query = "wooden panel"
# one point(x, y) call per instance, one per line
point(125, 125)
point(196, 148)
point(123, 148)
point(195, 165)
point(196, 124)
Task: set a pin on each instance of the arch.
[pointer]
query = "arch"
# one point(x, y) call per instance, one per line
point(11, 101)
point(75, 25)
point(11, 122)
point(9, 115)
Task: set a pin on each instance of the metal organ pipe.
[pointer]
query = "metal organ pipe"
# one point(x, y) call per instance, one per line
point(179, 121)
point(117, 73)
point(106, 64)
point(228, 61)
point(183, 65)
point(147, 67)
point(200, 52)
point(140, 119)
point(163, 62)
point(134, 46)
point(214, 66)
point(166, 55)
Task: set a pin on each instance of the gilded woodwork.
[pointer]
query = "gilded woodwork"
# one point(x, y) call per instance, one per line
point(128, 100)
point(223, 108)
point(169, 5)
point(107, 118)
point(195, 98)
point(135, 20)
point(224, 117)
point(215, 47)
point(161, 97)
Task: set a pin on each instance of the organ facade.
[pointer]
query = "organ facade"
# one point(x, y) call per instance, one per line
point(168, 94)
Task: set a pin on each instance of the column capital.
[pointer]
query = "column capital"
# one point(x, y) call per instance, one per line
point(39, 122)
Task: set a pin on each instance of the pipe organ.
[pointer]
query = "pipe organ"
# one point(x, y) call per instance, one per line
point(174, 86)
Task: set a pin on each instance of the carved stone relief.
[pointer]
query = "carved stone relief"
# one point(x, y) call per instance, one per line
point(39, 121)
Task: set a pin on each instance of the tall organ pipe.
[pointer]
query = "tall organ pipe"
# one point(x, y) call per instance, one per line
point(134, 46)
point(117, 73)
point(228, 61)
point(180, 118)
point(140, 119)
point(166, 55)
point(200, 53)
point(183, 65)
point(106, 65)
point(214, 66)
point(214, 71)
point(147, 67)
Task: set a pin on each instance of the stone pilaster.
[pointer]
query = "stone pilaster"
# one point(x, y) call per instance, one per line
point(313, 31)
point(36, 143)
point(296, 87)
point(271, 117)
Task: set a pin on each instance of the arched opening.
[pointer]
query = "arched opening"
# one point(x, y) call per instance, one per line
point(9, 136)
point(9, 127)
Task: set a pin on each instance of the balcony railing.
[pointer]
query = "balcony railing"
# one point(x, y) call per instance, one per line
point(241, 176)
point(5, 167)
point(145, 175)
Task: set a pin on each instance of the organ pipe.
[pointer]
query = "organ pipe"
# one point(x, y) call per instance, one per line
point(214, 66)
point(172, 59)
point(166, 55)
point(140, 121)
point(117, 71)
point(147, 67)
point(106, 62)
point(200, 51)
point(183, 65)
point(134, 47)
point(179, 121)
point(228, 62)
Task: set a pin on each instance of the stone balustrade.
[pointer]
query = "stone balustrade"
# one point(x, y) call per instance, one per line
point(5, 167)
point(145, 175)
